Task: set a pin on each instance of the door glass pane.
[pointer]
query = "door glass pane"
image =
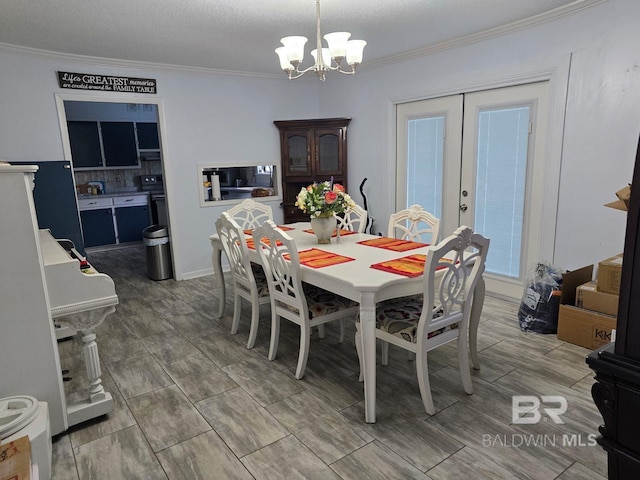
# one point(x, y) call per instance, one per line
point(328, 153)
point(425, 137)
point(297, 151)
point(501, 165)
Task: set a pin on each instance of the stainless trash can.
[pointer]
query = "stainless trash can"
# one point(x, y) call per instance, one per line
point(156, 242)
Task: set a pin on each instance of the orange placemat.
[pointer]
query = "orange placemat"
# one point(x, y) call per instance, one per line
point(252, 244)
point(316, 258)
point(343, 232)
point(284, 228)
point(411, 266)
point(394, 244)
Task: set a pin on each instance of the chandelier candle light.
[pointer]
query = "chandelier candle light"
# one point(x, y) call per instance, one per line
point(340, 48)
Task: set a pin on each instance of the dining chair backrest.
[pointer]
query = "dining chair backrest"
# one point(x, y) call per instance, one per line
point(354, 219)
point(250, 214)
point(281, 263)
point(234, 243)
point(462, 256)
point(416, 224)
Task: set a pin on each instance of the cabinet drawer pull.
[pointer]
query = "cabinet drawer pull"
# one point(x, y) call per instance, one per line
point(129, 200)
point(92, 203)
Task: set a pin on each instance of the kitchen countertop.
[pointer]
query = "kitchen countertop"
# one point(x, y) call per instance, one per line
point(110, 195)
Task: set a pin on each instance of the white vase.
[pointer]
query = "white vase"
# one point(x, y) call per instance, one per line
point(323, 227)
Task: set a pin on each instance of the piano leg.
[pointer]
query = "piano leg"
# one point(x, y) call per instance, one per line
point(92, 361)
point(98, 401)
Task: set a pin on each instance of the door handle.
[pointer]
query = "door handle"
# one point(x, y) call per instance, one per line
point(463, 207)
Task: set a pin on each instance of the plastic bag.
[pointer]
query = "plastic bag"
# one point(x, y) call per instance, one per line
point(541, 300)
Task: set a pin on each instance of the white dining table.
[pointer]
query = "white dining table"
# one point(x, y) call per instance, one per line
point(359, 282)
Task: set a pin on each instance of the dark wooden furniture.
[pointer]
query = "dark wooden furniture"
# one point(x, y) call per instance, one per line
point(617, 389)
point(312, 151)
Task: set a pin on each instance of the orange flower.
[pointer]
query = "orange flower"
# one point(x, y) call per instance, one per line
point(338, 188)
point(330, 197)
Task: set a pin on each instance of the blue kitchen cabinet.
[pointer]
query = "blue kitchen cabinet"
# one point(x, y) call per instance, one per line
point(131, 221)
point(97, 227)
point(84, 138)
point(119, 144)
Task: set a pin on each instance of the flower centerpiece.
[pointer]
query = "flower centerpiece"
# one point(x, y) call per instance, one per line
point(321, 201)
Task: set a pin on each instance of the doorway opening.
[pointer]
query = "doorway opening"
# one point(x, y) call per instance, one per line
point(115, 149)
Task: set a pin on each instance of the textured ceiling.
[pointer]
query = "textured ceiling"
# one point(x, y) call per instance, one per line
point(241, 35)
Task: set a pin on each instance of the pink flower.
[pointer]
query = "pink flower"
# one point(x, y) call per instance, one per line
point(338, 188)
point(330, 197)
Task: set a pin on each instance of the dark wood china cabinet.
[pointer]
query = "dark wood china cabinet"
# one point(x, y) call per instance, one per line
point(311, 150)
point(616, 392)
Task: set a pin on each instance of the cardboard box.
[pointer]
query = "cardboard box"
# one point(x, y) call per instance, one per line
point(15, 459)
point(585, 328)
point(588, 296)
point(624, 195)
point(577, 325)
point(585, 287)
point(609, 275)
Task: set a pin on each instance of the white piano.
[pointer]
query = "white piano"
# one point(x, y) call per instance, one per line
point(41, 284)
point(79, 301)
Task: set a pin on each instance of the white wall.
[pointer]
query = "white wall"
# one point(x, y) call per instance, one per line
point(208, 118)
point(602, 121)
point(214, 118)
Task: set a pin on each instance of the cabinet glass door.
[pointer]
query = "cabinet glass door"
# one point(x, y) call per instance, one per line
point(297, 161)
point(328, 153)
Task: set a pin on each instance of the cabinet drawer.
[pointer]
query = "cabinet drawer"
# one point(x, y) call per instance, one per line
point(130, 200)
point(93, 203)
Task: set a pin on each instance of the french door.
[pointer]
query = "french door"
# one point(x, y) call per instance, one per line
point(477, 159)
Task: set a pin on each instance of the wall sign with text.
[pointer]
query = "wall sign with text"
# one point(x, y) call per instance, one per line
point(106, 83)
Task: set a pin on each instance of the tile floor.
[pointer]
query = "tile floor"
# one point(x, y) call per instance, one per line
point(191, 402)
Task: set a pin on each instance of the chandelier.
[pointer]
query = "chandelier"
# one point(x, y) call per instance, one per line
point(341, 49)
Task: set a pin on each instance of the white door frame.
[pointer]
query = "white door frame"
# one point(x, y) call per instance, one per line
point(60, 98)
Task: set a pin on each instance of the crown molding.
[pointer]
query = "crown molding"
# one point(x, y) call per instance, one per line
point(570, 9)
point(119, 63)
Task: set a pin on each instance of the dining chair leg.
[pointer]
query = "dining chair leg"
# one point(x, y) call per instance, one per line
point(321, 330)
point(422, 369)
point(237, 308)
point(358, 342)
point(275, 336)
point(463, 363)
point(385, 353)
point(255, 319)
point(474, 319)
point(303, 355)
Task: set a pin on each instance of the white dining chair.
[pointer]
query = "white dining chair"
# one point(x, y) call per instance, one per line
point(414, 223)
point(354, 219)
point(249, 281)
point(293, 300)
point(441, 314)
point(250, 214)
